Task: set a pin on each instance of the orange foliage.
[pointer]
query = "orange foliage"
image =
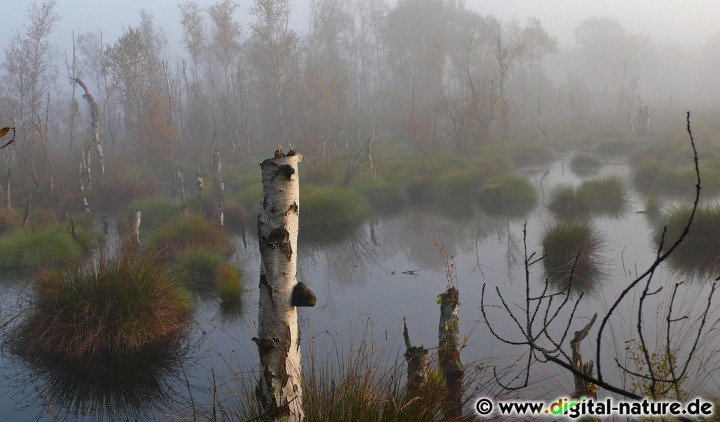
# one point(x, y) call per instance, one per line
point(156, 137)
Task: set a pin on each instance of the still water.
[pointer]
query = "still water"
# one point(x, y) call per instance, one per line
point(367, 278)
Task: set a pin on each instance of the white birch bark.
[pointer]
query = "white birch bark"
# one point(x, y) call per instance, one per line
point(95, 126)
point(280, 388)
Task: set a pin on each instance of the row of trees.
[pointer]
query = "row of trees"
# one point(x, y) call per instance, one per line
point(432, 73)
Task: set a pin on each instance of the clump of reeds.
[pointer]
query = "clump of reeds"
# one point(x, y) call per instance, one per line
point(511, 188)
point(699, 253)
point(114, 307)
point(330, 206)
point(382, 195)
point(572, 247)
point(607, 195)
point(365, 382)
point(42, 246)
point(197, 266)
point(235, 215)
point(510, 194)
point(229, 283)
point(155, 211)
point(566, 201)
point(583, 162)
point(175, 236)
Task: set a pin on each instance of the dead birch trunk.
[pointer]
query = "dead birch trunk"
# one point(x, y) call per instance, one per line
point(136, 228)
point(8, 177)
point(632, 125)
point(449, 352)
point(219, 185)
point(539, 122)
point(95, 126)
point(180, 186)
point(199, 183)
point(371, 141)
point(646, 115)
point(26, 216)
point(582, 388)
point(418, 366)
point(82, 189)
point(279, 391)
point(171, 101)
point(86, 166)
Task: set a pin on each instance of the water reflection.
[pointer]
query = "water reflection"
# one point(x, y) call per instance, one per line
point(137, 386)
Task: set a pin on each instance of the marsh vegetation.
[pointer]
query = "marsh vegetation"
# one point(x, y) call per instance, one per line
point(131, 244)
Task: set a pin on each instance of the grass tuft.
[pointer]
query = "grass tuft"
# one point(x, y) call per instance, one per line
point(155, 211)
point(229, 284)
point(197, 266)
point(699, 253)
point(43, 246)
point(176, 236)
point(562, 243)
point(583, 162)
point(566, 201)
point(607, 195)
point(327, 206)
point(120, 307)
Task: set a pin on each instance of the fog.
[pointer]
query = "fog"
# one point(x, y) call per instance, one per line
point(444, 145)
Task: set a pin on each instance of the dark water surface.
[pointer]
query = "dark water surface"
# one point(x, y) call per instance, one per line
point(358, 279)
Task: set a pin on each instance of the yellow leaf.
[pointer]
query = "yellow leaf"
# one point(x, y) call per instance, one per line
point(4, 131)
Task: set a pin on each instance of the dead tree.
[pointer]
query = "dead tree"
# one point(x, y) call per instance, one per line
point(539, 122)
point(8, 178)
point(418, 366)
point(81, 187)
point(136, 228)
point(546, 313)
point(95, 126)
point(199, 183)
point(26, 216)
point(86, 166)
point(279, 391)
point(583, 388)
point(171, 101)
point(449, 351)
point(219, 185)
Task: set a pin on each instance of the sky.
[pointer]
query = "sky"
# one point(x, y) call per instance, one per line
point(688, 22)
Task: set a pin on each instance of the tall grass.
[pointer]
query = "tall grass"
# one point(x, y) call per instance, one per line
point(583, 162)
point(155, 211)
point(362, 381)
point(121, 306)
point(326, 206)
point(510, 194)
point(567, 202)
point(43, 246)
point(196, 266)
point(567, 241)
point(229, 284)
point(607, 195)
point(699, 253)
point(174, 237)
